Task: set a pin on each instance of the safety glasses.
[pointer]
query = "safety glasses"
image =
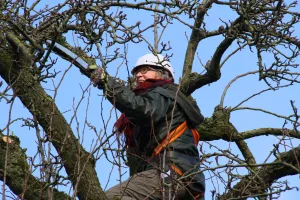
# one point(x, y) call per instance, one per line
point(143, 70)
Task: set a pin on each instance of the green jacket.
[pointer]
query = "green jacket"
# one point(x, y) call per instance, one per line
point(155, 113)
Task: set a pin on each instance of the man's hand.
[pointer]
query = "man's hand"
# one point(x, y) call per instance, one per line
point(97, 76)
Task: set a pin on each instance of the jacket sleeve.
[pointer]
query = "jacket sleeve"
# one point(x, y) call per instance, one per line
point(144, 109)
point(190, 108)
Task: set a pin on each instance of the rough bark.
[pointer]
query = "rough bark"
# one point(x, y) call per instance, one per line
point(261, 177)
point(16, 70)
point(218, 127)
point(256, 184)
point(196, 36)
point(19, 177)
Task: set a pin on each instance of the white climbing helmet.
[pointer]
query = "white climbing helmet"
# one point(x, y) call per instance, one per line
point(154, 60)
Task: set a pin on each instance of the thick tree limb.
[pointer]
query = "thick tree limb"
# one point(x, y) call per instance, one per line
point(16, 71)
point(18, 175)
point(191, 82)
point(255, 184)
point(250, 160)
point(213, 69)
point(266, 132)
point(211, 130)
point(196, 36)
point(220, 126)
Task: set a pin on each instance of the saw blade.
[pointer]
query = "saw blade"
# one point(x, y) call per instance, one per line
point(70, 54)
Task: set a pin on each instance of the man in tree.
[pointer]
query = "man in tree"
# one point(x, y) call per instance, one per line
point(159, 121)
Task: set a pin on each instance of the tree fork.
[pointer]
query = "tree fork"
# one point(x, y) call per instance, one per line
point(15, 70)
point(265, 176)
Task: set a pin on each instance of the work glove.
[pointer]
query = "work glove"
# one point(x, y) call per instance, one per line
point(97, 76)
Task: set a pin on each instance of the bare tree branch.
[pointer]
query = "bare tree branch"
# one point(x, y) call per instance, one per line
point(19, 175)
point(58, 132)
point(265, 176)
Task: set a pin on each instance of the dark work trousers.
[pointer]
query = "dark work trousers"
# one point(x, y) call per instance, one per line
point(147, 185)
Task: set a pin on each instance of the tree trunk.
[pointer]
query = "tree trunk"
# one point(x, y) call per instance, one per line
point(16, 70)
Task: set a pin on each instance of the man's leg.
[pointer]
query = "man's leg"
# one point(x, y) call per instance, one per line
point(144, 185)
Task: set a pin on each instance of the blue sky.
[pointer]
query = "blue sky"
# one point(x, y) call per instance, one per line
point(207, 97)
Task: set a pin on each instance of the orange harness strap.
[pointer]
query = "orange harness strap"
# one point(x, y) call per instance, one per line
point(173, 135)
point(179, 172)
point(176, 169)
point(196, 136)
point(171, 138)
